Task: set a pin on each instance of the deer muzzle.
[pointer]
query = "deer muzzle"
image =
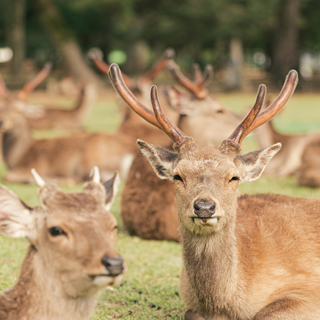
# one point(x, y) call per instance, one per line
point(114, 265)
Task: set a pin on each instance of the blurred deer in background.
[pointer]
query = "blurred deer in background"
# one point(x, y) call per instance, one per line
point(249, 257)
point(69, 159)
point(132, 126)
point(65, 159)
point(299, 155)
point(72, 253)
point(202, 117)
point(50, 117)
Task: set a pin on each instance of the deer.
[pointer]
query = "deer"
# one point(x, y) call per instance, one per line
point(43, 118)
point(66, 159)
point(203, 118)
point(69, 159)
point(249, 257)
point(132, 126)
point(299, 155)
point(72, 254)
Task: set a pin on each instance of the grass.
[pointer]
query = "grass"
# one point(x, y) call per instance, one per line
point(150, 289)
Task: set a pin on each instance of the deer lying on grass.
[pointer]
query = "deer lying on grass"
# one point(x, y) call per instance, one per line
point(66, 159)
point(249, 257)
point(50, 117)
point(72, 253)
point(203, 118)
point(69, 159)
point(299, 154)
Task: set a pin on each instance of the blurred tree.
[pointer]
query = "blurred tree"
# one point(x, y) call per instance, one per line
point(64, 39)
point(14, 20)
point(286, 47)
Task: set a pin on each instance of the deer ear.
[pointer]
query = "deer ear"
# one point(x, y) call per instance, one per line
point(255, 162)
point(160, 159)
point(15, 217)
point(111, 187)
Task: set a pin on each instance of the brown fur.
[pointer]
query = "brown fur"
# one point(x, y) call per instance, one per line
point(61, 275)
point(263, 249)
point(53, 118)
point(148, 204)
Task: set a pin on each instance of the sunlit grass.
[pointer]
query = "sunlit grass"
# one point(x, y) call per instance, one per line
point(150, 289)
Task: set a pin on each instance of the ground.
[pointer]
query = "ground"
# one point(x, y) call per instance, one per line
point(150, 289)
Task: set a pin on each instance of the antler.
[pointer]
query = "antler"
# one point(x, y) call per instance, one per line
point(158, 119)
point(198, 87)
point(33, 83)
point(253, 119)
point(160, 65)
point(104, 67)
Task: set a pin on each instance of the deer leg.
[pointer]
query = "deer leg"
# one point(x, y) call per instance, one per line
point(190, 315)
point(288, 308)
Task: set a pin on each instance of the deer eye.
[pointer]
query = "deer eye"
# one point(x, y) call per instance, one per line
point(56, 231)
point(234, 179)
point(116, 228)
point(177, 177)
point(220, 111)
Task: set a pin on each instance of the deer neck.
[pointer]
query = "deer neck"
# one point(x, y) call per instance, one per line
point(16, 143)
point(81, 111)
point(211, 269)
point(37, 296)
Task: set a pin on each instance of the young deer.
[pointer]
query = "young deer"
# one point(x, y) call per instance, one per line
point(72, 253)
point(203, 118)
point(50, 117)
point(253, 257)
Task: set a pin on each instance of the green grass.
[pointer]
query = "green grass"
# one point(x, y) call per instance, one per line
point(150, 289)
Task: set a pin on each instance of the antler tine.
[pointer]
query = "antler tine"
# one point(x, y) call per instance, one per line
point(241, 131)
point(160, 65)
point(129, 98)
point(197, 74)
point(104, 67)
point(207, 76)
point(253, 120)
point(3, 88)
point(177, 75)
point(33, 83)
point(169, 128)
point(287, 90)
point(37, 178)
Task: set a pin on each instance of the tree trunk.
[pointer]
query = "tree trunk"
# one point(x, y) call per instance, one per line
point(286, 47)
point(64, 40)
point(14, 18)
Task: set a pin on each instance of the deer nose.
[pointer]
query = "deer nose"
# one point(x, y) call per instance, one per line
point(113, 264)
point(204, 209)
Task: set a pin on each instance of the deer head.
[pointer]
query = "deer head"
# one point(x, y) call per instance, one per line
point(203, 111)
point(73, 235)
point(206, 178)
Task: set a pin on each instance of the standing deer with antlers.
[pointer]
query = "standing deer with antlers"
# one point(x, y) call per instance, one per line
point(49, 117)
point(203, 118)
point(72, 253)
point(253, 257)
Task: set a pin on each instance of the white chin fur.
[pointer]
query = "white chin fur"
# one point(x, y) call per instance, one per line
point(103, 281)
point(211, 222)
